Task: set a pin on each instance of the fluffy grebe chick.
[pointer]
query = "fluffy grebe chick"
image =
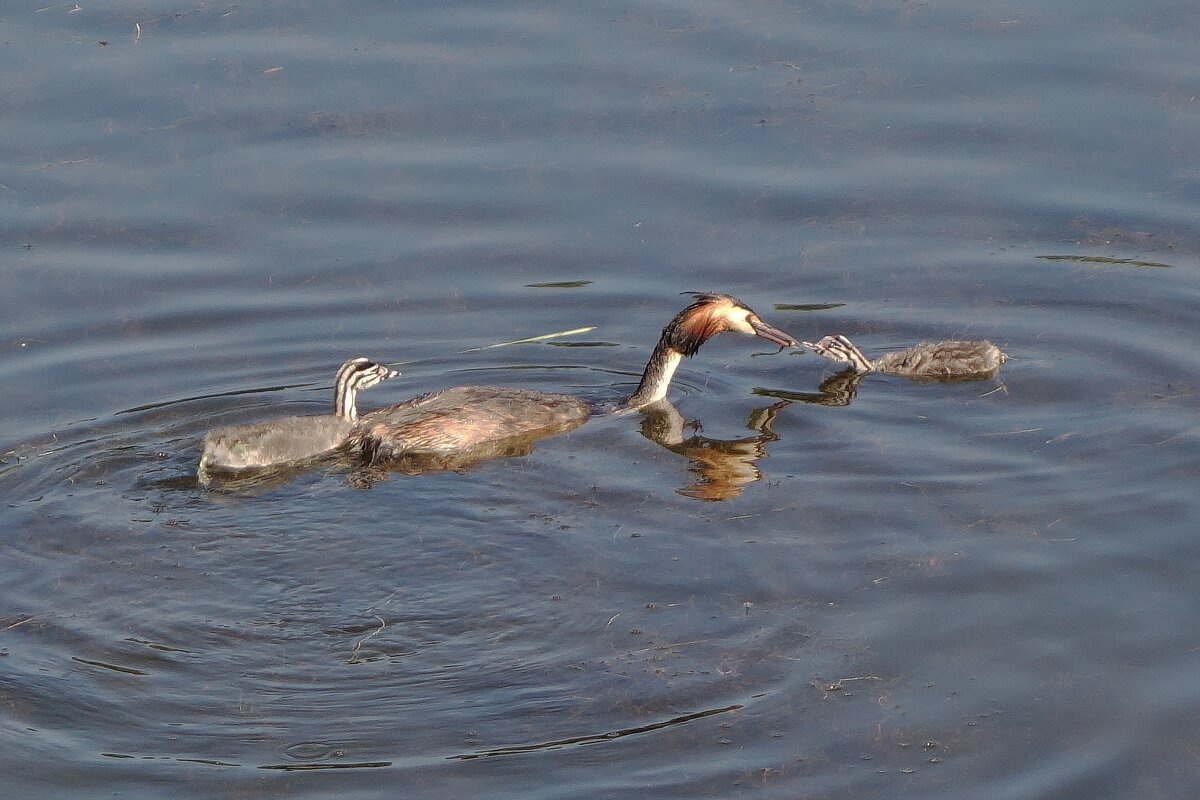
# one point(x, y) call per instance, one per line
point(467, 417)
point(290, 439)
point(930, 360)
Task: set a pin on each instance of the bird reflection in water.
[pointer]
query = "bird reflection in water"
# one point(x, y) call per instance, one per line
point(838, 389)
point(724, 467)
point(365, 474)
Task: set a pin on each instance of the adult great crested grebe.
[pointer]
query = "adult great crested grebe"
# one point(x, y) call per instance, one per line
point(467, 417)
point(929, 360)
point(290, 439)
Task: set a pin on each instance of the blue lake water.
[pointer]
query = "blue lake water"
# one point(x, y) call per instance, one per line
point(982, 589)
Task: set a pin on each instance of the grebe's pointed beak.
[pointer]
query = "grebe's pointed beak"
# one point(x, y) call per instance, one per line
point(770, 332)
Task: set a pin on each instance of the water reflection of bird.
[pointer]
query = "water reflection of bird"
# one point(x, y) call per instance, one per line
point(928, 360)
point(838, 389)
point(454, 422)
point(724, 466)
point(291, 439)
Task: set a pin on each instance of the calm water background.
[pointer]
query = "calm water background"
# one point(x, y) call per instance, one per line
point(937, 591)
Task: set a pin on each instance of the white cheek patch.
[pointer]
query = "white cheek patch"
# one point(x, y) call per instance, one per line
point(738, 320)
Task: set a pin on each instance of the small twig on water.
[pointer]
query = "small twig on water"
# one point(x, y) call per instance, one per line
point(1012, 433)
point(840, 683)
point(354, 659)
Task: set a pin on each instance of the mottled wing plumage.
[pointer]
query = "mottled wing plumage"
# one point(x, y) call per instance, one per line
point(464, 417)
point(279, 441)
point(931, 360)
point(943, 359)
point(294, 439)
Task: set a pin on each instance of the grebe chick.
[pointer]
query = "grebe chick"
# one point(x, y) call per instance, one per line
point(291, 439)
point(929, 360)
point(467, 417)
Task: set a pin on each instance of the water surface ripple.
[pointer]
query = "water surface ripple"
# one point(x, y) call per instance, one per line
point(980, 589)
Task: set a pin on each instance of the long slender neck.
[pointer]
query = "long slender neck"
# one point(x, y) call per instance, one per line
point(354, 376)
point(657, 377)
point(345, 400)
point(856, 358)
point(838, 348)
point(683, 336)
point(345, 392)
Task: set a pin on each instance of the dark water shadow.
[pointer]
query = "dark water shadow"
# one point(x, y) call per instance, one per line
point(1107, 260)
point(807, 306)
point(594, 738)
point(583, 344)
point(311, 767)
point(559, 284)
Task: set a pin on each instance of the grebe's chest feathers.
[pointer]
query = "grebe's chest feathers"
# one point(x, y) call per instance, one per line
point(464, 417)
point(279, 441)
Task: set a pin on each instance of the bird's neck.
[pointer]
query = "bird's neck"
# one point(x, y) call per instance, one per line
point(345, 403)
point(657, 377)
